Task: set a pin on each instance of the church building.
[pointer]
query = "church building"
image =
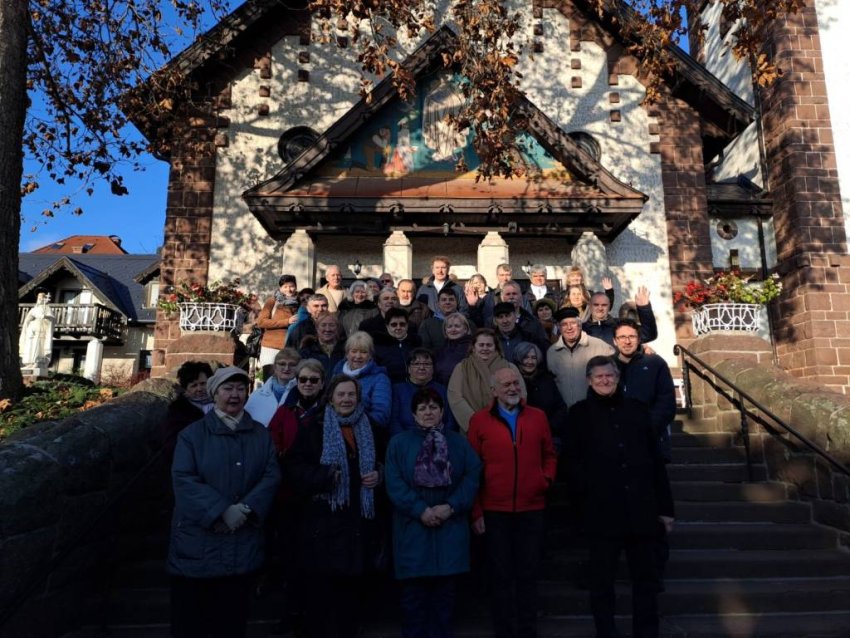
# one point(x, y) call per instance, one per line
point(278, 166)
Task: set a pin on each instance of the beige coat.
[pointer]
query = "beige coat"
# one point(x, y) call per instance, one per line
point(568, 366)
point(469, 387)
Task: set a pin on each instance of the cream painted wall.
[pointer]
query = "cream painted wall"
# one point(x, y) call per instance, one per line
point(834, 25)
point(719, 58)
point(637, 257)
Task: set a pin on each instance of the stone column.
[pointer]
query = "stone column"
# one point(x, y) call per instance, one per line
point(398, 256)
point(94, 359)
point(492, 251)
point(589, 254)
point(299, 258)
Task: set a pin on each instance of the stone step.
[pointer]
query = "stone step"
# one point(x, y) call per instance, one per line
point(834, 624)
point(724, 473)
point(715, 596)
point(712, 456)
point(717, 563)
point(731, 511)
point(706, 439)
point(707, 491)
point(745, 536)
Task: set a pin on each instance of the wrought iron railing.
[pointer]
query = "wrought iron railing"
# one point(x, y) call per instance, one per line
point(77, 320)
point(747, 406)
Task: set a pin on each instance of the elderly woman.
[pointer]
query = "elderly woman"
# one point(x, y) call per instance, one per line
point(356, 307)
point(326, 345)
point(225, 477)
point(458, 332)
point(469, 386)
point(420, 374)
point(264, 402)
point(301, 406)
point(542, 390)
point(376, 389)
point(432, 477)
point(332, 466)
point(191, 404)
point(277, 314)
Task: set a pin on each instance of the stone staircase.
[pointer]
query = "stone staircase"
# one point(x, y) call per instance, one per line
point(746, 562)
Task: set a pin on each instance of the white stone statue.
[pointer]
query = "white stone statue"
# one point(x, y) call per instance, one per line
point(36, 342)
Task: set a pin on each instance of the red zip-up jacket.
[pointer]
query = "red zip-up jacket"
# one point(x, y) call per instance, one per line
point(518, 472)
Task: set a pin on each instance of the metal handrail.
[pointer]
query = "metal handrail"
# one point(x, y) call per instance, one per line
point(739, 399)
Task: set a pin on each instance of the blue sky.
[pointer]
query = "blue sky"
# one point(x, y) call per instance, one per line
point(137, 218)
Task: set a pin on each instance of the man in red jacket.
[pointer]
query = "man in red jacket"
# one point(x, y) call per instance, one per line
point(514, 443)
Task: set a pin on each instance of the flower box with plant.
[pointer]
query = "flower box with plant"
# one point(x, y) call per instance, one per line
point(214, 307)
point(727, 301)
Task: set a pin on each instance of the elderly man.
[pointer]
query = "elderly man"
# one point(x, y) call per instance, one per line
point(417, 311)
point(620, 484)
point(567, 358)
point(439, 280)
point(484, 313)
point(333, 291)
point(316, 305)
point(601, 323)
point(514, 443)
point(538, 289)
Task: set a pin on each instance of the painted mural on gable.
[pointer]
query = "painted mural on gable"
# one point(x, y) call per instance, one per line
point(415, 139)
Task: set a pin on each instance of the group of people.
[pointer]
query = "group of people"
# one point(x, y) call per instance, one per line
point(393, 423)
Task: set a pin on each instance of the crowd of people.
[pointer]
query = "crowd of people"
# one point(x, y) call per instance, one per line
point(395, 422)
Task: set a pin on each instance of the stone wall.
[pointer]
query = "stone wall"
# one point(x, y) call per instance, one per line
point(55, 481)
point(820, 415)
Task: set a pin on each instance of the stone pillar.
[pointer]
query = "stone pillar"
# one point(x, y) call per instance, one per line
point(398, 256)
point(492, 251)
point(802, 178)
point(590, 255)
point(94, 359)
point(299, 258)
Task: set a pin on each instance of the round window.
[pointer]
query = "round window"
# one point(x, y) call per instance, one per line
point(587, 144)
point(293, 142)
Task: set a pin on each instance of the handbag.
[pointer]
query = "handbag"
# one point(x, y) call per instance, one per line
point(253, 343)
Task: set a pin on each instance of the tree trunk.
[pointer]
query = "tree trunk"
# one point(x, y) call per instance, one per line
point(14, 18)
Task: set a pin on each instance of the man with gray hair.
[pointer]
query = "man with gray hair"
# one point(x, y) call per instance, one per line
point(568, 356)
point(334, 291)
point(538, 289)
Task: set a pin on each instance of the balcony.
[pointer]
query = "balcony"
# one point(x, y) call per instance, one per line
point(82, 320)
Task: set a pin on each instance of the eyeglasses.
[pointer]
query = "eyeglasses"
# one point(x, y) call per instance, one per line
point(626, 338)
point(313, 380)
point(396, 324)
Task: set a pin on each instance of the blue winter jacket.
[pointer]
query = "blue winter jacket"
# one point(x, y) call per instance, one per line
point(376, 392)
point(215, 467)
point(420, 551)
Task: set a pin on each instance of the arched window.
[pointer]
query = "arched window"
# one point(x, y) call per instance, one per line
point(587, 144)
point(293, 142)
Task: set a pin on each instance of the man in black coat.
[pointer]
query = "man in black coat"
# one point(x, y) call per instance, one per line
point(601, 323)
point(619, 482)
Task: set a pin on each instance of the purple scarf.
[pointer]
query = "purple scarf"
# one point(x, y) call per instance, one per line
point(432, 467)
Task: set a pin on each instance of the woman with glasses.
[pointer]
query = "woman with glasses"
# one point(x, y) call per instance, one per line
point(432, 477)
point(393, 347)
point(264, 402)
point(299, 411)
point(420, 375)
point(542, 389)
point(333, 468)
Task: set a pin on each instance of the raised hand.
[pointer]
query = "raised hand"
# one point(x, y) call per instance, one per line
point(642, 296)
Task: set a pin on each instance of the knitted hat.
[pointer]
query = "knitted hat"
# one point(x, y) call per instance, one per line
point(225, 374)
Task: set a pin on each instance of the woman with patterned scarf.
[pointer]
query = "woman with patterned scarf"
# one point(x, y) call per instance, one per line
point(332, 467)
point(432, 477)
